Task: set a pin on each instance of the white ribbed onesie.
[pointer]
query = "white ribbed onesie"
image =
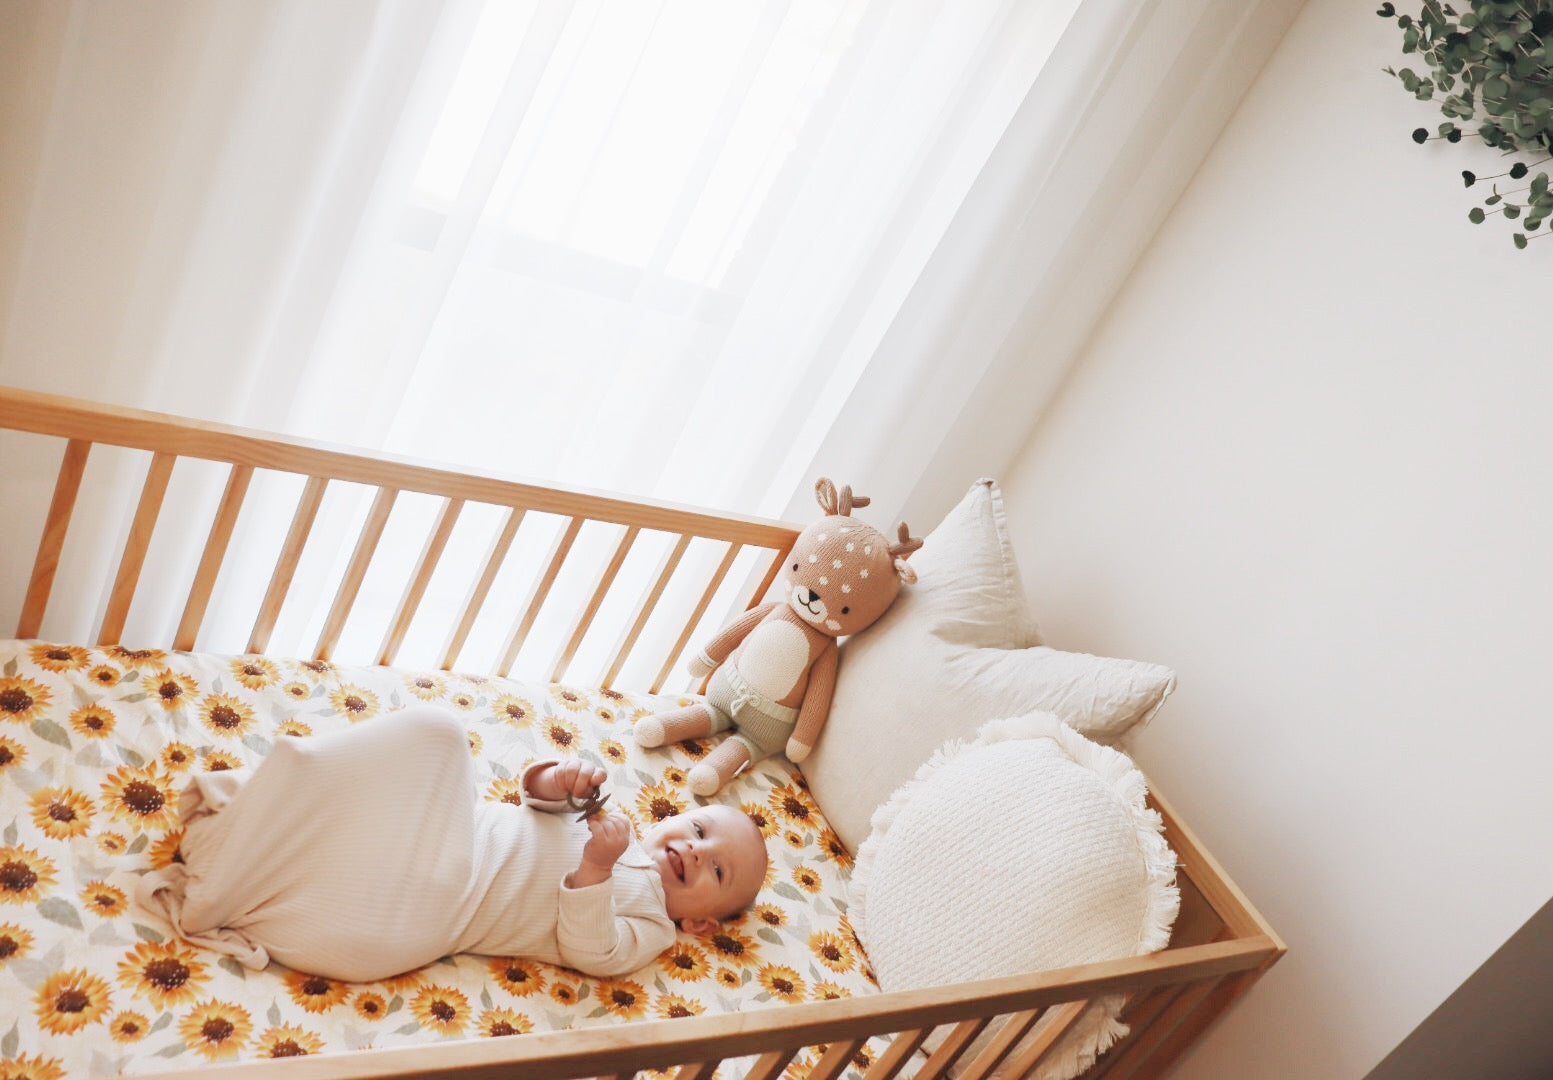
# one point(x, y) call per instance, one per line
point(369, 852)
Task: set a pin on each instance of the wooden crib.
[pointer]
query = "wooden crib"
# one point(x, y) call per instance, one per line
point(1220, 944)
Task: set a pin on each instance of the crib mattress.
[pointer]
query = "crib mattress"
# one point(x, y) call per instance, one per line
point(96, 742)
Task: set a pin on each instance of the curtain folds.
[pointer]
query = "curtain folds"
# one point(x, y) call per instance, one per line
point(693, 250)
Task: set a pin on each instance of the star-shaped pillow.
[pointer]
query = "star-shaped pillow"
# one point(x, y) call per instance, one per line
point(956, 650)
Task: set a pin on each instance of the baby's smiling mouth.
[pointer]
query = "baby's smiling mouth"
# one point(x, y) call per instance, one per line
point(676, 863)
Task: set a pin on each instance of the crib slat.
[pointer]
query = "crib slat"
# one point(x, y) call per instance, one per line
point(350, 585)
point(951, 1048)
point(1137, 1050)
point(68, 485)
point(1008, 1036)
point(416, 589)
point(644, 608)
point(482, 588)
point(896, 1054)
point(769, 1066)
point(215, 551)
point(1029, 1056)
point(695, 616)
point(700, 1071)
point(286, 563)
point(134, 557)
point(835, 1060)
point(773, 568)
point(537, 596)
point(585, 617)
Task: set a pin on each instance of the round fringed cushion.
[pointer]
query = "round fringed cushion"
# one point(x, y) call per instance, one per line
point(1027, 849)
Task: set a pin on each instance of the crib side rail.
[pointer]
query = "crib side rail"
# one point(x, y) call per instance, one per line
point(246, 453)
point(696, 1045)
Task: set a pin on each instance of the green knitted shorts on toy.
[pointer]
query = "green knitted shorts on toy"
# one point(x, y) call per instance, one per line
point(763, 725)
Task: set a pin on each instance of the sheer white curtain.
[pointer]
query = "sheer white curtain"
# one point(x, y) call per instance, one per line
point(689, 249)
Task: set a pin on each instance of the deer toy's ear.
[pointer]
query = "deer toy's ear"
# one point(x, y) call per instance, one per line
point(907, 574)
point(825, 495)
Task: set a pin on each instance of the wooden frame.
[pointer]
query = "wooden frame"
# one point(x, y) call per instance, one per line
point(1220, 945)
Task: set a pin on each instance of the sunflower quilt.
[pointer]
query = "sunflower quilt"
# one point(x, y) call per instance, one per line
point(95, 744)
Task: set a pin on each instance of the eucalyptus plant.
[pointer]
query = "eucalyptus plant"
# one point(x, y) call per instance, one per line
point(1493, 67)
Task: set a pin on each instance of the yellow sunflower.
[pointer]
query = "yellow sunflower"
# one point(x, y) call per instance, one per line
point(142, 797)
point(354, 702)
point(403, 984)
point(93, 721)
point(104, 899)
point(22, 700)
point(568, 698)
point(462, 700)
point(170, 688)
point(693, 748)
point(167, 850)
point(11, 753)
point(761, 818)
point(104, 675)
point(683, 961)
point(781, 982)
point(731, 947)
point(807, 879)
point(299, 691)
point(832, 950)
point(518, 977)
point(14, 941)
point(128, 1027)
point(24, 875)
point(318, 668)
point(221, 760)
point(369, 1006)
point(136, 657)
point(177, 757)
point(59, 657)
point(495, 1023)
point(794, 839)
point(166, 972)
point(561, 734)
point(425, 687)
point(288, 1040)
point(112, 843)
point(224, 715)
point(769, 914)
point(605, 714)
point(69, 1000)
point(297, 729)
point(513, 710)
point(829, 991)
point(613, 752)
point(794, 805)
point(315, 993)
point(507, 790)
point(656, 802)
point(674, 776)
point(476, 743)
point(441, 1008)
point(216, 1029)
point(622, 998)
point(729, 978)
point(563, 993)
point(61, 813)
point(255, 672)
point(673, 1007)
point(832, 847)
point(32, 1068)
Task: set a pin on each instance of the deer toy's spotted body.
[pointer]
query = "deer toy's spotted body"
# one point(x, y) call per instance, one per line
point(774, 668)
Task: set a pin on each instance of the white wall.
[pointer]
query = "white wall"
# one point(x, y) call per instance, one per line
point(1306, 461)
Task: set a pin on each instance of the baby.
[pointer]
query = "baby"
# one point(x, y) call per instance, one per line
point(369, 852)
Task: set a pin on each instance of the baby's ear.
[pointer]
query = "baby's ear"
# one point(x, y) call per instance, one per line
point(701, 926)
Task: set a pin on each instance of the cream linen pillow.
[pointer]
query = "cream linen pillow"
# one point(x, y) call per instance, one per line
point(957, 649)
point(1029, 849)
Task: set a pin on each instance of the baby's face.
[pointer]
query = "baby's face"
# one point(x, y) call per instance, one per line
point(712, 861)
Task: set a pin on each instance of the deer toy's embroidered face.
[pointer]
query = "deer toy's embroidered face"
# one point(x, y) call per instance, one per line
point(843, 573)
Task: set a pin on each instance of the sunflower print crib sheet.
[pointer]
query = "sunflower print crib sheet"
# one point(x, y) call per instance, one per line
point(95, 744)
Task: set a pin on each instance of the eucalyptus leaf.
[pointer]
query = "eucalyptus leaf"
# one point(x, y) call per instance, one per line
point(57, 909)
point(49, 731)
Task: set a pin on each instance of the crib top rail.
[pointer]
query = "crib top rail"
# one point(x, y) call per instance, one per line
point(246, 452)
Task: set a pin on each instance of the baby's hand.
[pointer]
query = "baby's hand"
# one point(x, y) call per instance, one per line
point(572, 777)
point(608, 837)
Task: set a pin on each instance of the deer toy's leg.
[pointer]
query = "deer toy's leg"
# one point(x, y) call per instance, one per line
point(691, 722)
point(720, 766)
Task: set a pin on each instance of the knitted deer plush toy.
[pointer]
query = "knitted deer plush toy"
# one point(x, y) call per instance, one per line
point(774, 668)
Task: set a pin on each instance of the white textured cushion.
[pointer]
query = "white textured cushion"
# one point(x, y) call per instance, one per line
point(1029, 849)
point(957, 649)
